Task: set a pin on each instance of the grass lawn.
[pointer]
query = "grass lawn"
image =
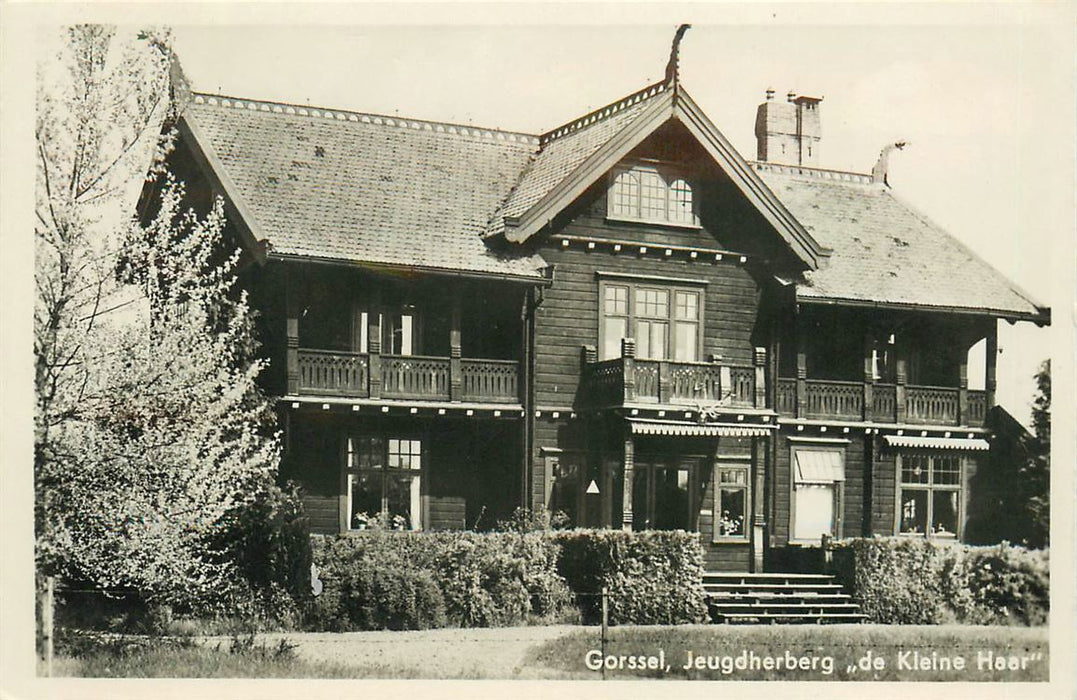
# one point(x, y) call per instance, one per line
point(161, 659)
point(805, 653)
point(832, 652)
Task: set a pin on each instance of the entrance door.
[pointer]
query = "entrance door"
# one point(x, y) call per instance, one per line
point(663, 493)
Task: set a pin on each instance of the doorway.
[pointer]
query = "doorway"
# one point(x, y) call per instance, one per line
point(665, 492)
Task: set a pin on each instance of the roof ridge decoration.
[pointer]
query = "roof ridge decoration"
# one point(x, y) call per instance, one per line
point(603, 113)
point(364, 118)
point(818, 173)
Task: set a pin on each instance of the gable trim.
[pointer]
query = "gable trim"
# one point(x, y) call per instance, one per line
point(254, 238)
point(572, 186)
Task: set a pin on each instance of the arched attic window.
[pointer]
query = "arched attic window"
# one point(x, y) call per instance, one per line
point(651, 194)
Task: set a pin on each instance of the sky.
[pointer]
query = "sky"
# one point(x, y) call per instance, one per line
point(980, 98)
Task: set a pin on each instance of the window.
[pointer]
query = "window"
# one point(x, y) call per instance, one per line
point(382, 480)
point(731, 501)
point(651, 194)
point(664, 321)
point(930, 495)
point(818, 476)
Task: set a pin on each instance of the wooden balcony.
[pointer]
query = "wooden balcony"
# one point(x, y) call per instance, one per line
point(624, 380)
point(881, 403)
point(361, 375)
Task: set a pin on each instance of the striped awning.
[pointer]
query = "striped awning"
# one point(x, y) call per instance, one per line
point(937, 443)
point(655, 427)
point(820, 466)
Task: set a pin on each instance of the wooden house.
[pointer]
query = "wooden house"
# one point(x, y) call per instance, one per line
point(623, 319)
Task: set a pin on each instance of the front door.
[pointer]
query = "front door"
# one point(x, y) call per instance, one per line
point(664, 491)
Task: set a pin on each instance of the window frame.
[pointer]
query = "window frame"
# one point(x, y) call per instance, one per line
point(672, 288)
point(741, 463)
point(931, 488)
point(669, 176)
point(348, 471)
point(838, 486)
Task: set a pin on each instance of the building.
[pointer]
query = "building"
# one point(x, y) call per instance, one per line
point(622, 319)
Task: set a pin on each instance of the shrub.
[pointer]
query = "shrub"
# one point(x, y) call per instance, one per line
point(481, 580)
point(917, 581)
point(653, 577)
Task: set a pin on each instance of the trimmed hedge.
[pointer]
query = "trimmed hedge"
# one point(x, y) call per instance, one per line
point(416, 580)
point(654, 577)
point(466, 579)
point(902, 580)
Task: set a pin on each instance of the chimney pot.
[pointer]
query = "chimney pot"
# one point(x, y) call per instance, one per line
point(770, 94)
point(790, 96)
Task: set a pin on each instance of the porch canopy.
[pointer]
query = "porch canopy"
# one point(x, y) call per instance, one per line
point(937, 443)
point(657, 427)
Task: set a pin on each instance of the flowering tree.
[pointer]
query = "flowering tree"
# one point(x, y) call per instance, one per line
point(149, 426)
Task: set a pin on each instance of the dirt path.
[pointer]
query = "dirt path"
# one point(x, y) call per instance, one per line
point(443, 653)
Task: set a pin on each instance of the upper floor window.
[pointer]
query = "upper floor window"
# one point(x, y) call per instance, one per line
point(652, 194)
point(665, 321)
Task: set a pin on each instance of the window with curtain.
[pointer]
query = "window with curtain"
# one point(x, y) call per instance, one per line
point(383, 482)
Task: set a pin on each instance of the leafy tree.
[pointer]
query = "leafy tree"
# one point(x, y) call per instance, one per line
point(1011, 491)
point(149, 426)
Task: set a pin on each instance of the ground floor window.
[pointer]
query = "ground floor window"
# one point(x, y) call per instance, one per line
point(731, 500)
point(383, 481)
point(929, 498)
point(818, 477)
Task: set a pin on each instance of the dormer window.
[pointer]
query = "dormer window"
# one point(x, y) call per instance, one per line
point(651, 194)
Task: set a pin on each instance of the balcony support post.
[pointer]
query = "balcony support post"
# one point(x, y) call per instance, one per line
point(630, 462)
point(760, 386)
point(802, 364)
point(990, 378)
point(456, 374)
point(900, 396)
point(374, 375)
point(291, 331)
point(963, 391)
point(628, 360)
point(802, 382)
point(869, 374)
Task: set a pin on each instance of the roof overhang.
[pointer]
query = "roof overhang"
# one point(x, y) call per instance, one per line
point(672, 104)
point(538, 279)
point(938, 443)
point(1041, 317)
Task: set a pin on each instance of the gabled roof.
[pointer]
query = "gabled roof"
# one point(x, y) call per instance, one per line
point(576, 155)
point(333, 185)
point(885, 252)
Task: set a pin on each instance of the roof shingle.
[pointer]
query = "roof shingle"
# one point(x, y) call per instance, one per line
point(883, 250)
point(368, 188)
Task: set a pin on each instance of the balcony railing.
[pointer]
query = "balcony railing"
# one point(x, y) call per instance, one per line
point(887, 403)
point(626, 379)
point(329, 373)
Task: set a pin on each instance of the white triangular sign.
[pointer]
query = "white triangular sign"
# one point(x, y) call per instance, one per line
point(592, 487)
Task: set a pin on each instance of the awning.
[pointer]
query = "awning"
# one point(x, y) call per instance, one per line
point(655, 427)
point(937, 443)
point(820, 466)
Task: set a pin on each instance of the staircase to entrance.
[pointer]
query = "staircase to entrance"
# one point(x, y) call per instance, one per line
point(778, 597)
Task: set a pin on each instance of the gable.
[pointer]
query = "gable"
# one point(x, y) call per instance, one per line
point(572, 158)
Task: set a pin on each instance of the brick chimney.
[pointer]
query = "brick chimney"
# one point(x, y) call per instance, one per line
point(788, 132)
